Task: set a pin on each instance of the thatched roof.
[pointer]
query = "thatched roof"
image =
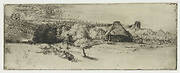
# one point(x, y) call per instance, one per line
point(118, 29)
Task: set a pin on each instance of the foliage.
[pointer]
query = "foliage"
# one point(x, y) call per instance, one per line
point(16, 30)
point(45, 34)
point(57, 50)
point(149, 36)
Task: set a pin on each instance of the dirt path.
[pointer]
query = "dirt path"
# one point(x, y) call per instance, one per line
point(117, 56)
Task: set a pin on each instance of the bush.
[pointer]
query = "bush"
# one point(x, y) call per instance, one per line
point(149, 36)
point(97, 33)
point(16, 30)
point(45, 34)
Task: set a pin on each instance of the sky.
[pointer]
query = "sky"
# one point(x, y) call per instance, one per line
point(154, 16)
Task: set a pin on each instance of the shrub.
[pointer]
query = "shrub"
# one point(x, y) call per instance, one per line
point(15, 31)
point(149, 36)
point(45, 34)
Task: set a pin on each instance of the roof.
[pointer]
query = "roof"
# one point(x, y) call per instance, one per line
point(119, 30)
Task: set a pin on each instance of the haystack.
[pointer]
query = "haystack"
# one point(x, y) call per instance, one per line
point(135, 26)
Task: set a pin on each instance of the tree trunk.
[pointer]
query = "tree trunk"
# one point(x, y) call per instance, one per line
point(84, 53)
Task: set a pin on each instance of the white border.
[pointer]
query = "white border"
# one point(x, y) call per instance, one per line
point(2, 2)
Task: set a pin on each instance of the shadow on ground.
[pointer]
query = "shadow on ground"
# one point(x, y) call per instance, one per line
point(91, 58)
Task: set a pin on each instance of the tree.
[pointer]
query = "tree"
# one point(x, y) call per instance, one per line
point(45, 34)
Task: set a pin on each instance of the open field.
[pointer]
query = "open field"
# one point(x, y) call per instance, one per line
point(104, 56)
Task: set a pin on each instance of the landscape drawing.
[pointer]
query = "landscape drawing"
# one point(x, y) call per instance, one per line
point(116, 36)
